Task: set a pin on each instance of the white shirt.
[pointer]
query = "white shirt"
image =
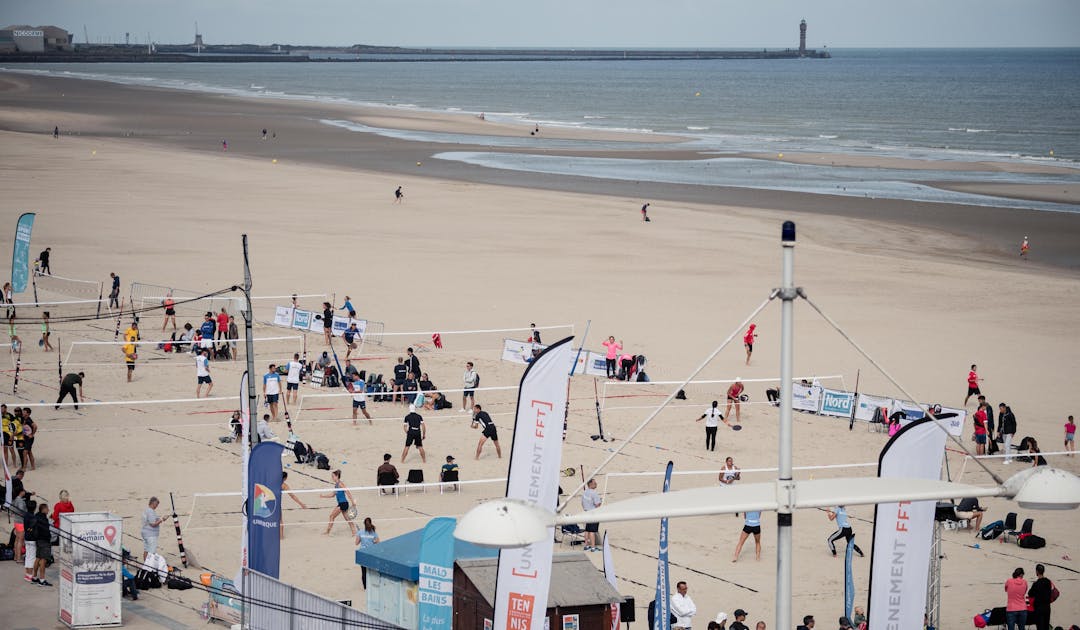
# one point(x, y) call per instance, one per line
point(359, 391)
point(470, 379)
point(684, 610)
point(272, 383)
point(294, 372)
point(202, 366)
point(713, 416)
point(590, 500)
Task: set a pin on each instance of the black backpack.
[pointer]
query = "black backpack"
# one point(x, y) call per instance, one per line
point(1031, 541)
point(992, 531)
point(322, 462)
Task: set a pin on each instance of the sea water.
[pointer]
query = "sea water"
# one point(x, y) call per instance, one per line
point(1010, 105)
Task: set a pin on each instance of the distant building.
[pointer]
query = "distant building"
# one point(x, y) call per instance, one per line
point(34, 39)
point(802, 38)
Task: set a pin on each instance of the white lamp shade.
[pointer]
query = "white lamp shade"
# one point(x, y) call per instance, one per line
point(504, 523)
point(1045, 488)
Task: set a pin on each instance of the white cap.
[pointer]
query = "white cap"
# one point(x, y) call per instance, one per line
point(738, 379)
point(721, 617)
point(412, 408)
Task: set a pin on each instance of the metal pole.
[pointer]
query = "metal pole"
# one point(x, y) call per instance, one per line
point(249, 346)
point(785, 485)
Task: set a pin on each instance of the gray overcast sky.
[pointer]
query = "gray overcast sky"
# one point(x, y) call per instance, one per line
point(583, 23)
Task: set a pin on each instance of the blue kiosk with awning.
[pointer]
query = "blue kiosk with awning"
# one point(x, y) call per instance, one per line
point(393, 570)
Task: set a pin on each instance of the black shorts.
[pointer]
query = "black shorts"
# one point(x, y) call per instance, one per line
point(290, 387)
point(752, 529)
point(734, 400)
point(170, 311)
point(43, 551)
point(592, 527)
point(7, 439)
point(131, 367)
point(399, 382)
point(28, 444)
point(749, 346)
point(203, 380)
point(344, 507)
point(414, 438)
point(272, 398)
point(492, 433)
point(974, 391)
point(468, 393)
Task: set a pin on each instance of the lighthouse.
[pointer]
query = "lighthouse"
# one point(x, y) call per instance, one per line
point(802, 38)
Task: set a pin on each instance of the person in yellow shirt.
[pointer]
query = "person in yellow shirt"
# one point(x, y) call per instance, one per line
point(9, 441)
point(131, 335)
point(16, 434)
point(129, 358)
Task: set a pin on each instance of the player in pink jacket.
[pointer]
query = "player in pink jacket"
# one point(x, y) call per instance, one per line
point(613, 348)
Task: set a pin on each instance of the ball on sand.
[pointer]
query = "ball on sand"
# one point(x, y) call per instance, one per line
point(94, 152)
point(418, 163)
point(274, 161)
point(780, 155)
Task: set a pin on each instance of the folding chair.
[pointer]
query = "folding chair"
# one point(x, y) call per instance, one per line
point(447, 477)
point(1029, 524)
point(416, 475)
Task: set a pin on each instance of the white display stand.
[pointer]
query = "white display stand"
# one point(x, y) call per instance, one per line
point(91, 583)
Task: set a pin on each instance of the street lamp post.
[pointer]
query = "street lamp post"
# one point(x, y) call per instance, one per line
point(785, 482)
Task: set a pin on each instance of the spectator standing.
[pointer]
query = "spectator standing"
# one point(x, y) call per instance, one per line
point(1007, 422)
point(1070, 436)
point(234, 336)
point(412, 363)
point(807, 623)
point(151, 524)
point(9, 440)
point(613, 348)
point(740, 620)
point(470, 379)
point(207, 330)
point(980, 431)
point(29, 433)
point(28, 518)
point(682, 607)
point(63, 506)
point(401, 372)
point(590, 500)
point(1042, 595)
point(223, 326)
point(1016, 589)
point(43, 553)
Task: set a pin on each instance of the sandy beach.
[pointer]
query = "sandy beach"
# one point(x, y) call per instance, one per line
point(138, 185)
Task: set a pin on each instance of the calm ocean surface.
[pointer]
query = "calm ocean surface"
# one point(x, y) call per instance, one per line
point(999, 104)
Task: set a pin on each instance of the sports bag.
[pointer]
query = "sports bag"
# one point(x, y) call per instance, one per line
point(1031, 541)
point(992, 531)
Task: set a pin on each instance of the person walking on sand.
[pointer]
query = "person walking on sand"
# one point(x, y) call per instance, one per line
point(613, 348)
point(169, 304)
point(286, 490)
point(415, 433)
point(399, 195)
point(748, 341)
point(292, 380)
point(202, 374)
point(843, 530)
point(224, 145)
point(114, 292)
point(712, 418)
point(45, 332)
point(343, 497)
point(43, 262)
point(645, 213)
point(590, 500)
point(358, 388)
point(56, 132)
point(129, 358)
point(483, 420)
point(1024, 247)
point(151, 524)
point(734, 397)
point(751, 526)
point(972, 383)
point(366, 539)
point(1070, 437)
point(1007, 424)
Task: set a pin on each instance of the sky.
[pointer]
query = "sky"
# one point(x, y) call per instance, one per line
point(565, 23)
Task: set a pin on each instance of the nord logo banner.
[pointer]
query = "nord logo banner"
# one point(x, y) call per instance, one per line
point(264, 508)
point(836, 403)
point(524, 575)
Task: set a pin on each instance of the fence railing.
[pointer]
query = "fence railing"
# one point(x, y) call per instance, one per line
point(275, 605)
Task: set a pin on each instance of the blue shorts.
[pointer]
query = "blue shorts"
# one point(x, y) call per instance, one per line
point(359, 404)
point(980, 439)
point(272, 398)
point(204, 380)
point(292, 386)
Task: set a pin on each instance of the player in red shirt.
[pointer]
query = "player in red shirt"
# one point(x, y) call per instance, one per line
point(748, 341)
point(973, 384)
point(733, 397)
